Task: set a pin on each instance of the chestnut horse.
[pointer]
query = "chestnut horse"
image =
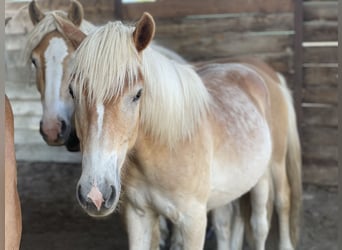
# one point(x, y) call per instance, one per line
point(192, 144)
point(50, 52)
point(12, 203)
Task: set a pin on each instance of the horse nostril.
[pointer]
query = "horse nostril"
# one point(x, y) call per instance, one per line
point(79, 196)
point(41, 129)
point(63, 126)
point(111, 199)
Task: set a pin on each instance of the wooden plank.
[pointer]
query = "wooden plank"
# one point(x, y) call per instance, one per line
point(29, 122)
point(45, 153)
point(327, 10)
point(20, 74)
point(321, 174)
point(320, 116)
point(317, 153)
point(298, 61)
point(319, 136)
point(233, 23)
point(26, 107)
point(178, 8)
point(27, 136)
point(320, 30)
point(22, 91)
point(320, 76)
point(320, 94)
point(320, 55)
point(224, 44)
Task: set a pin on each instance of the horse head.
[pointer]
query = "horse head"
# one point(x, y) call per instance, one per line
point(50, 53)
point(107, 106)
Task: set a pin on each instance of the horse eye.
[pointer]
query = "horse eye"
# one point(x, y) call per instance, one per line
point(34, 62)
point(71, 92)
point(137, 96)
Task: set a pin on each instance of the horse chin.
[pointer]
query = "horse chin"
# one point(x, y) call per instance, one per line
point(99, 214)
point(73, 143)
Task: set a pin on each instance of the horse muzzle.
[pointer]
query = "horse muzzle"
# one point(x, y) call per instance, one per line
point(56, 135)
point(97, 201)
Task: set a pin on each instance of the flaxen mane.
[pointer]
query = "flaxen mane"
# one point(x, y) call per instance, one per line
point(47, 25)
point(174, 98)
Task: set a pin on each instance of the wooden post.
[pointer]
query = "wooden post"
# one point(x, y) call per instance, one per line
point(118, 9)
point(298, 60)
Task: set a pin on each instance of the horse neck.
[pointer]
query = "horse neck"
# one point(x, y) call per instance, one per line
point(175, 99)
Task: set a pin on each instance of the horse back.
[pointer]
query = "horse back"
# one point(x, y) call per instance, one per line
point(220, 78)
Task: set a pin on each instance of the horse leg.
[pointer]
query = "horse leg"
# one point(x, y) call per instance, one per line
point(259, 223)
point(192, 228)
point(164, 232)
point(176, 239)
point(282, 203)
point(222, 221)
point(142, 226)
point(238, 227)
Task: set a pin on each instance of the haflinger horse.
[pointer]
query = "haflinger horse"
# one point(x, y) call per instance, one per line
point(50, 52)
point(191, 141)
point(13, 224)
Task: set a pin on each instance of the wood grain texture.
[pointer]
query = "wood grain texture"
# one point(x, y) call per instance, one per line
point(320, 55)
point(178, 8)
point(320, 30)
point(320, 94)
point(320, 76)
point(320, 116)
point(320, 10)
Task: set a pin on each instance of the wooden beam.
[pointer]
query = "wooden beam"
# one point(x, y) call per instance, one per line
point(179, 8)
point(298, 59)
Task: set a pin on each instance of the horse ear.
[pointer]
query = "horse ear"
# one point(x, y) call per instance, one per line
point(36, 14)
point(144, 31)
point(73, 33)
point(75, 13)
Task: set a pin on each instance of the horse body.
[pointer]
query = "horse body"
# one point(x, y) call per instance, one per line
point(224, 167)
point(13, 224)
point(192, 147)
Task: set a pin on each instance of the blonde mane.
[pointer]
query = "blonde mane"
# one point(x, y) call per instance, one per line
point(174, 99)
point(47, 25)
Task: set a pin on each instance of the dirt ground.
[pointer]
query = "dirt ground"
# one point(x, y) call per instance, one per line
point(53, 220)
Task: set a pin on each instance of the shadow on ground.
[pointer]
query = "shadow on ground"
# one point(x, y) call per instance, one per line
point(53, 220)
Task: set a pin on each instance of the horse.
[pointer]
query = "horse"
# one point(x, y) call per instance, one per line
point(185, 139)
point(48, 48)
point(13, 223)
point(50, 53)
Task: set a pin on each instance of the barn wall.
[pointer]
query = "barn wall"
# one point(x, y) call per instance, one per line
point(319, 91)
point(210, 30)
point(207, 30)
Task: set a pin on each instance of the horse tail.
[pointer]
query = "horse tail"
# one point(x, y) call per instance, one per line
point(293, 164)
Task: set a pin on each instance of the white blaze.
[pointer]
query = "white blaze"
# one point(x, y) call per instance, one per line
point(54, 57)
point(100, 111)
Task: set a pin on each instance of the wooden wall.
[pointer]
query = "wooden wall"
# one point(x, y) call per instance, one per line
point(211, 30)
point(206, 30)
point(319, 92)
